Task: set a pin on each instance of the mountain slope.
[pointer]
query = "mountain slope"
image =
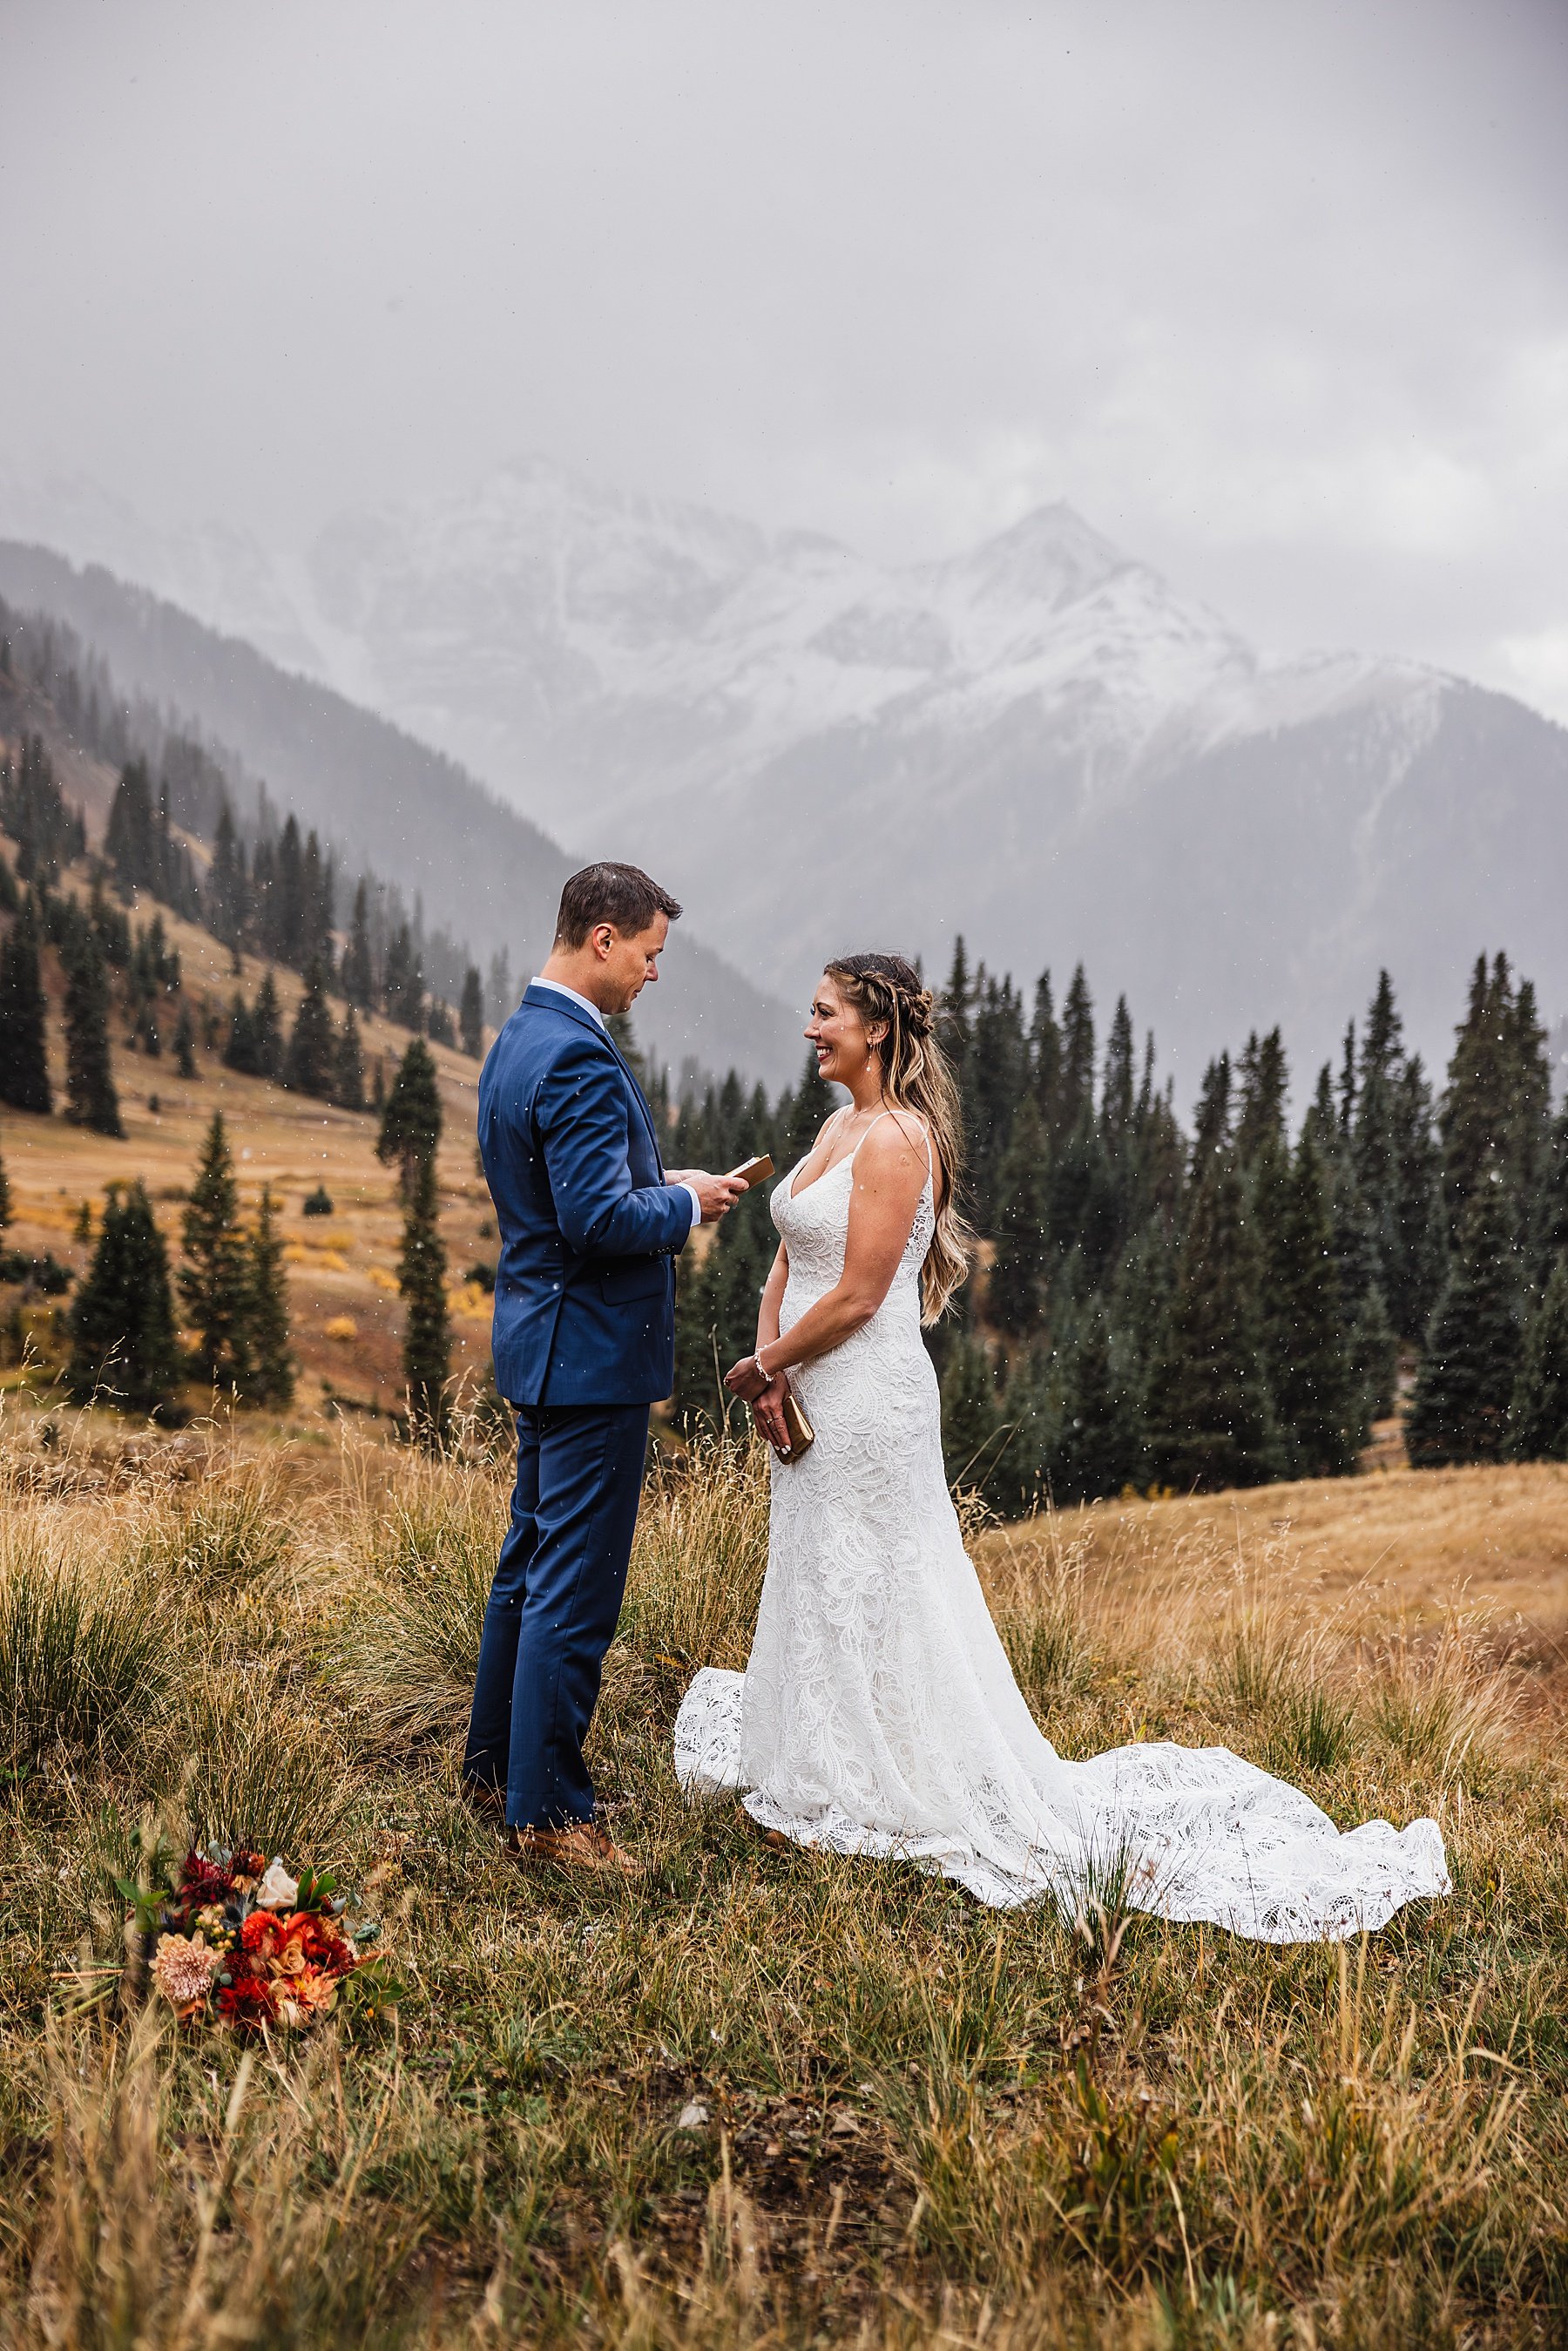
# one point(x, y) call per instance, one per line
point(1041, 743)
point(412, 813)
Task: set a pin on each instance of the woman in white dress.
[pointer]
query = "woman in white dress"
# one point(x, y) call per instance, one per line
point(878, 1715)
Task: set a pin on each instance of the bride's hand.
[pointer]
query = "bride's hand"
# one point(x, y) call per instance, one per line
point(768, 1412)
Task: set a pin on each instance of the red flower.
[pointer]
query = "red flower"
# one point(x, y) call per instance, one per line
point(262, 1934)
point(248, 2001)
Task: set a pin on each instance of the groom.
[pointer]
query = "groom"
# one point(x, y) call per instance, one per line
point(584, 1342)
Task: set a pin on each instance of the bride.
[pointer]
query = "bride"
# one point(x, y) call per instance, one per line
point(878, 1715)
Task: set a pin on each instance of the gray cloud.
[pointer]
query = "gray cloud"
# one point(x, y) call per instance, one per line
point(1277, 296)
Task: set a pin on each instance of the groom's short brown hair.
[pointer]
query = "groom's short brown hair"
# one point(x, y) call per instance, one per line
point(621, 894)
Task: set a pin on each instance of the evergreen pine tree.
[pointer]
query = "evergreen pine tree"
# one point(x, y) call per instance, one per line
point(310, 1066)
point(1538, 1415)
point(215, 1279)
point(1316, 1391)
point(348, 1068)
point(411, 1121)
point(699, 1394)
point(1464, 1385)
point(1016, 1290)
point(1077, 1088)
point(185, 1044)
point(1045, 1056)
point(1018, 1462)
point(89, 1074)
point(1374, 1350)
point(470, 1014)
point(971, 1423)
point(1413, 1270)
point(1211, 1118)
point(809, 1109)
point(1264, 1078)
point(421, 1280)
point(272, 1366)
point(24, 1059)
point(1101, 1438)
point(359, 970)
point(240, 1045)
point(266, 1030)
point(226, 891)
point(123, 1344)
point(1210, 1418)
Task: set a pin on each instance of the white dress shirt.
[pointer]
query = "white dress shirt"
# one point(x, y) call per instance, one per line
point(590, 1008)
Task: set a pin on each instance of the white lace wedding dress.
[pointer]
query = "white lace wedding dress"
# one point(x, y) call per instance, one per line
point(878, 1715)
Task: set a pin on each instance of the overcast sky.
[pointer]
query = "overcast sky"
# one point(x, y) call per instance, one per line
point(1276, 293)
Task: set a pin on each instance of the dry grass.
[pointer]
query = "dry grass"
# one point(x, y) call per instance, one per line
point(927, 2123)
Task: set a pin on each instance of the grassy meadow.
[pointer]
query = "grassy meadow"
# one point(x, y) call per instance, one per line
point(763, 2098)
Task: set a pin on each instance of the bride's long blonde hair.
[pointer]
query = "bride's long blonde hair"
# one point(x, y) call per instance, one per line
point(888, 993)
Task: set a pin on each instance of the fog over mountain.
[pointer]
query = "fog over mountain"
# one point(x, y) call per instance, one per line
point(1041, 744)
point(481, 870)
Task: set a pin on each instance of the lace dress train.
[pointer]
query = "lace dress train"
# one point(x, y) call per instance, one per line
point(878, 1715)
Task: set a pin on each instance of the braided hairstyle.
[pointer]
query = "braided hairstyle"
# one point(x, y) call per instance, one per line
point(889, 994)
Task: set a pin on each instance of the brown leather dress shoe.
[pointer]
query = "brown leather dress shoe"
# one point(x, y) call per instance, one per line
point(488, 1801)
point(584, 1845)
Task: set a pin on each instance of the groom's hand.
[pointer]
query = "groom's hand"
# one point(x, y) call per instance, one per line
point(717, 1193)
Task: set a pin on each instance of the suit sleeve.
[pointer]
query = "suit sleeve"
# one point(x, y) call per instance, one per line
point(580, 1111)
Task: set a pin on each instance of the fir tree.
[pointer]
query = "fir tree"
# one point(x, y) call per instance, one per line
point(1045, 1056)
point(1077, 1089)
point(1211, 1118)
point(1264, 1078)
point(971, 1423)
point(185, 1044)
point(311, 1065)
point(470, 1014)
point(998, 1077)
point(1016, 1290)
point(809, 1109)
point(1374, 1350)
point(411, 1121)
point(421, 1280)
point(1210, 1416)
point(1464, 1385)
point(1118, 1091)
point(23, 1058)
point(1101, 1438)
point(215, 1280)
point(699, 1392)
point(227, 892)
point(1538, 1415)
point(1413, 1268)
point(266, 1030)
point(272, 1366)
point(348, 1071)
point(240, 1046)
point(1314, 1386)
point(123, 1346)
point(89, 1074)
point(359, 972)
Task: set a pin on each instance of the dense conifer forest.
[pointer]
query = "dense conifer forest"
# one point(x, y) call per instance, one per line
point(1168, 1307)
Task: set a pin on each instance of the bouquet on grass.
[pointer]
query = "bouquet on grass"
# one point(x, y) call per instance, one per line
point(236, 1937)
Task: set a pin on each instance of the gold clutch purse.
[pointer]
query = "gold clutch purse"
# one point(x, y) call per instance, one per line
point(801, 1436)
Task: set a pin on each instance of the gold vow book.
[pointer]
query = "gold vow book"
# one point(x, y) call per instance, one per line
point(801, 1432)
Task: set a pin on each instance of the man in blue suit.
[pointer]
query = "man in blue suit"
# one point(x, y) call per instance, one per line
point(584, 1342)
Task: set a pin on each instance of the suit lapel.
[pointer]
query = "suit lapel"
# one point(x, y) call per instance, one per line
point(545, 999)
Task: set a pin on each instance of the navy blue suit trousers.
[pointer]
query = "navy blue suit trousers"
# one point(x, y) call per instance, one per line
point(553, 1608)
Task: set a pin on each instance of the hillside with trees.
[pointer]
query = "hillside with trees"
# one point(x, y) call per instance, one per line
point(1163, 1308)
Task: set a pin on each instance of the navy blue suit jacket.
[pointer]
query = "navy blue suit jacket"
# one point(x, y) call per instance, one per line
point(584, 1291)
